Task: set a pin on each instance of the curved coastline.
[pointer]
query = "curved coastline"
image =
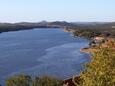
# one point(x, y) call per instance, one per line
point(65, 37)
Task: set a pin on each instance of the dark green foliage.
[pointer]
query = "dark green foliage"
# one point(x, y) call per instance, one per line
point(87, 33)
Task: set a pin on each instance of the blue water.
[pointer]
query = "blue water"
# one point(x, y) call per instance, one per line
point(41, 52)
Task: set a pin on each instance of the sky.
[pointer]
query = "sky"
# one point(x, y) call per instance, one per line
point(57, 10)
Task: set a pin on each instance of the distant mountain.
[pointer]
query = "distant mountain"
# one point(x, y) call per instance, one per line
point(57, 24)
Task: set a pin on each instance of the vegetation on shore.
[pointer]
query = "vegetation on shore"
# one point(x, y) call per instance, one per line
point(25, 80)
point(86, 28)
point(101, 70)
point(91, 33)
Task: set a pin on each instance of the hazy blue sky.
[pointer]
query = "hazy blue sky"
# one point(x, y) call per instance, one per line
point(52, 10)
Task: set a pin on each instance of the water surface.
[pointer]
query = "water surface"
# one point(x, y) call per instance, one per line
point(41, 52)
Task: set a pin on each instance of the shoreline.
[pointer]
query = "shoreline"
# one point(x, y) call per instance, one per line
point(73, 46)
point(70, 81)
point(20, 29)
point(88, 50)
point(84, 50)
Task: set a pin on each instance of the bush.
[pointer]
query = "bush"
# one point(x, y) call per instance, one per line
point(101, 70)
point(23, 80)
point(47, 81)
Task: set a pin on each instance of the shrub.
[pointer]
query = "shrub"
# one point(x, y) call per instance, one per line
point(101, 70)
point(23, 80)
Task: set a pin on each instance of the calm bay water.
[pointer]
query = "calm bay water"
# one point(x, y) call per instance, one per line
point(41, 52)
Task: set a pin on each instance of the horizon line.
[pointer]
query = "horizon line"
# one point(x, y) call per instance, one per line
point(59, 21)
